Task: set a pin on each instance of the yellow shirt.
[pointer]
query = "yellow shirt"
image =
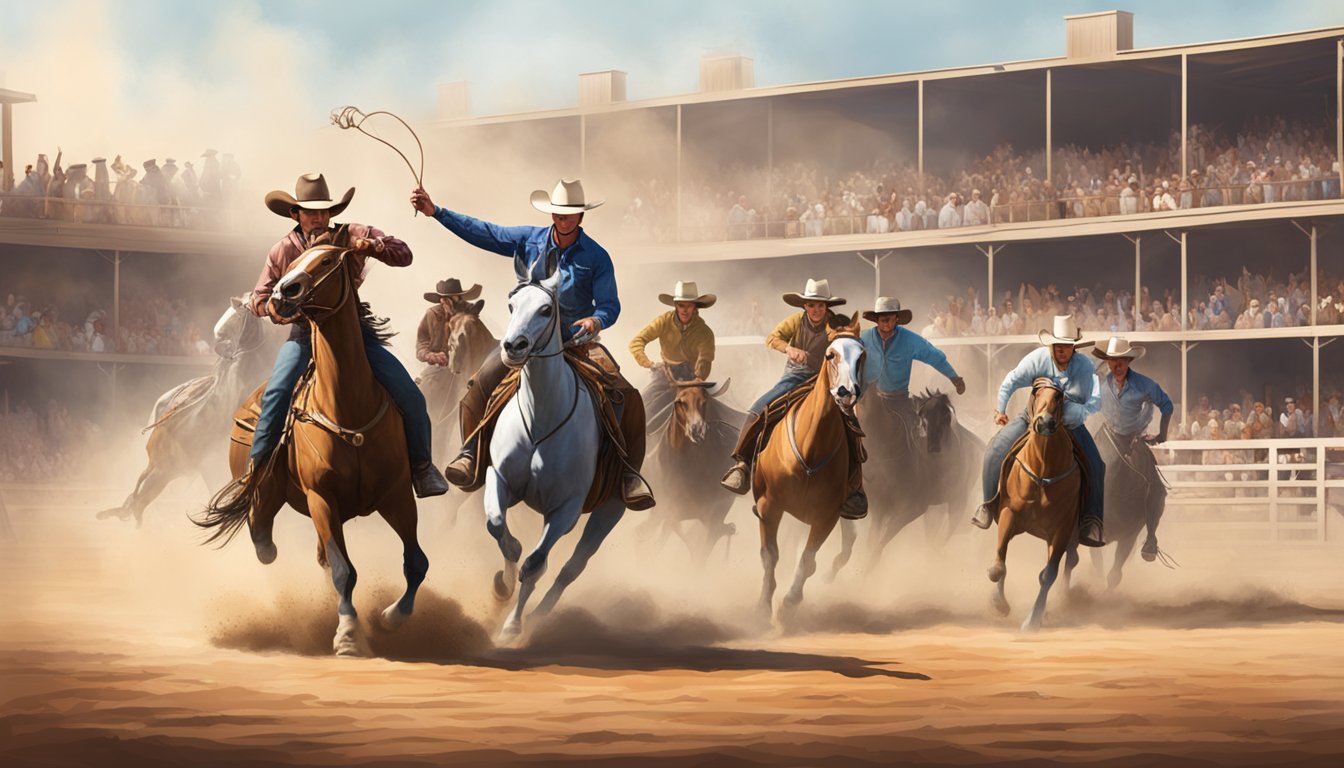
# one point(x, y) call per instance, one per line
point(694, 344)
point(790, 332)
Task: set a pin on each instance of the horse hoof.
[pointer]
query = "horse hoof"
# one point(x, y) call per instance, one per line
point(503, 586)
point(347, 642)
point(1031, 625)
point(391, 618)
point(996, 572)
point(1001, 606)
point(266, 552)
point(121, 513)
point(510, 632)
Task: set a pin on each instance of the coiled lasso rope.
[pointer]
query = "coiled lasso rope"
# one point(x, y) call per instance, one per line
point(352, 117)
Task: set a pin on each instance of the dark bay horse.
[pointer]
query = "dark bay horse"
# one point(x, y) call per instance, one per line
point(684, 466)
point(1039, 494)
point(955, 455)
point(804, 467)
point(190, 420)
point(346, 456)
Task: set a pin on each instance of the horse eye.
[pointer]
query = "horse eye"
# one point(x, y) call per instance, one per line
point(830, 354)
point(326, 261)
point(546, 310)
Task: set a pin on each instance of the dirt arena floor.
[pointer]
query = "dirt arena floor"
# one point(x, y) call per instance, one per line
point(139, 647)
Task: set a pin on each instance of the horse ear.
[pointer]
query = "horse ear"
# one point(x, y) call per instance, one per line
point(236, 302)
point(719, 389)
point(475, 307)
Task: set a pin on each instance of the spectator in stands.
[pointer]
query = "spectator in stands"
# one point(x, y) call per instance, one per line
point(1292, 422)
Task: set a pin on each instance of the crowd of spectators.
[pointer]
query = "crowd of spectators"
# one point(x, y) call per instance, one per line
point(165, 196)
point(150, 325)
point(1270, 160)
point(1244, 417)
point(46, 446)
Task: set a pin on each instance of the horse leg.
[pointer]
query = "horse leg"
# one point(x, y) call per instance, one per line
point(1123, 549)
point(848, 534)
point(807, 564)
point(497, 503)
point(151, 483)
point(1047, 579)
point(403, 516)
point(770, 519)
point(331, 542)
point(998, 571)
point(601, 521)
point(1070, 562)
point(558, 522)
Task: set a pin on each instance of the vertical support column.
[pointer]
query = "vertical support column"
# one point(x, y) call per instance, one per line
point(7, 139)
point(1339, 110)
point(920, 119)
point(679, 202)
point(1138, 282)
point(1315, 297)
point(1185, 114)
point(1185, 383)
point(1185, 282)
point(989, 282)
point(116, 305)
point(1049, 126)
point(1316, 387)
point(769, 155)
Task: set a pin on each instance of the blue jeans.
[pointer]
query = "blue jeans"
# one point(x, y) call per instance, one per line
point(290, 364)
point(1016, 428)
point(786, 382)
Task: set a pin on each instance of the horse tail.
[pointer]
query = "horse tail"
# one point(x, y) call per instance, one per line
point(228, 509)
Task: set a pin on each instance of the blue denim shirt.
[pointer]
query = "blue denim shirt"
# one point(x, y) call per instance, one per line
point(587, 278)
point(1079, 381)
point(1128, 411)
point(889, 365)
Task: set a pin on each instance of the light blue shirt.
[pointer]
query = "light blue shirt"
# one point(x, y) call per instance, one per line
point(889, 364)
point(1078, 380)
point(1128, 411)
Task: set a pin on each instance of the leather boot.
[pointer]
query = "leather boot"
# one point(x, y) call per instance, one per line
point(983, 516)
point(635, 492)
point(738, 479)
point(855, 506)
point(461, 471)
point(1089, 532)
point(427, 481)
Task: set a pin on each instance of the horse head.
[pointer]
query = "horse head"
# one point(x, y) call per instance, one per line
point(1047, 406)
point(238, 330)
point(688, 409)
point(844, 366)
point(936, 415)
point(534, 320)
point(306, 290)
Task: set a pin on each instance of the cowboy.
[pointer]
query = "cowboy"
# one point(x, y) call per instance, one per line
point(312, 207)
point(685, 341)
point(431, 338)
point(803, 338)
point(1127, 402)
point(588, 304)
point(891, 354)
point(1054, 360)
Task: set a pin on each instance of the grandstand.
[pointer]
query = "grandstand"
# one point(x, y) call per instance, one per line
point(1244, 136)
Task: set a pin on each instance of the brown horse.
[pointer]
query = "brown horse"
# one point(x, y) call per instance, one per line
point(346, 456)
point(804, 467)
point(1039, 494)
point(469, 341)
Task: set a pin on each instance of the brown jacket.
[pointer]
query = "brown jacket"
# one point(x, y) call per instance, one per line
point(432, 335)
point(284, 253)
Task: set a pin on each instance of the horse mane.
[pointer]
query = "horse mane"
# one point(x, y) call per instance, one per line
point(377, 326)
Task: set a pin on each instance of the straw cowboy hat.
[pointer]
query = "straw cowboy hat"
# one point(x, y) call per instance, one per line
point(1065, 331)
point(567, 197)
point(310, 194)
point(452, 288)
point(1119, 347)
point(815, 290)
point(887, 305)
point(687, 291)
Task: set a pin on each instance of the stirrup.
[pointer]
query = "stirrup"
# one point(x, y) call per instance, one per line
point(635, 493)
point(737, 479)
point(983, 517)
point(1086, 527)
point(461, 471)
point(855, 505)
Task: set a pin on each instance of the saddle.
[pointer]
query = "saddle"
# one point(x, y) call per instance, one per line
point(1079, 458)
point(600, 378)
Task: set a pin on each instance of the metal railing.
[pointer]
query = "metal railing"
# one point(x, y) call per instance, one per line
point(84, 211)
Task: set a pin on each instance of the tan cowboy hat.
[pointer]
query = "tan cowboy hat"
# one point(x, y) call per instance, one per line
point(815, 290)
point(686, 290)
point(887, 305)
point(567, 197)
point(1065, 331)
point(1119, 346)
point(310, 194)
point(452, 287)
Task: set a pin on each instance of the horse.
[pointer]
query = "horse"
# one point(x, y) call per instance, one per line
point(955, 455)
point(543, 451)
point(1040, 494)
point(329, 469)
point(186, 416)
point(687, 449)
point(804, 467)
point(1129, 491)
point(469, 341)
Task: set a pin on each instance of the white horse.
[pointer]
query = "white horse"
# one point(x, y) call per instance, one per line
point(543, 452)
point(185, 415)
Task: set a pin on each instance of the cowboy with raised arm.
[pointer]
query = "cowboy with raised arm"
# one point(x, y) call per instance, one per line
point(431, 338)
point(588, 304)
point(685, 342)
point(312, 207)
point(1055, 360)
point(803, 338)
point(892, 351)
point(1127, 402)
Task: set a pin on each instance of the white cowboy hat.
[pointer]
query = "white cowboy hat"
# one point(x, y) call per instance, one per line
point(815, 290)
point(1065, 331)
point(1118, 347)
point(567, 197)
point(310, 194)
point(686, 290)
point(887, 305)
